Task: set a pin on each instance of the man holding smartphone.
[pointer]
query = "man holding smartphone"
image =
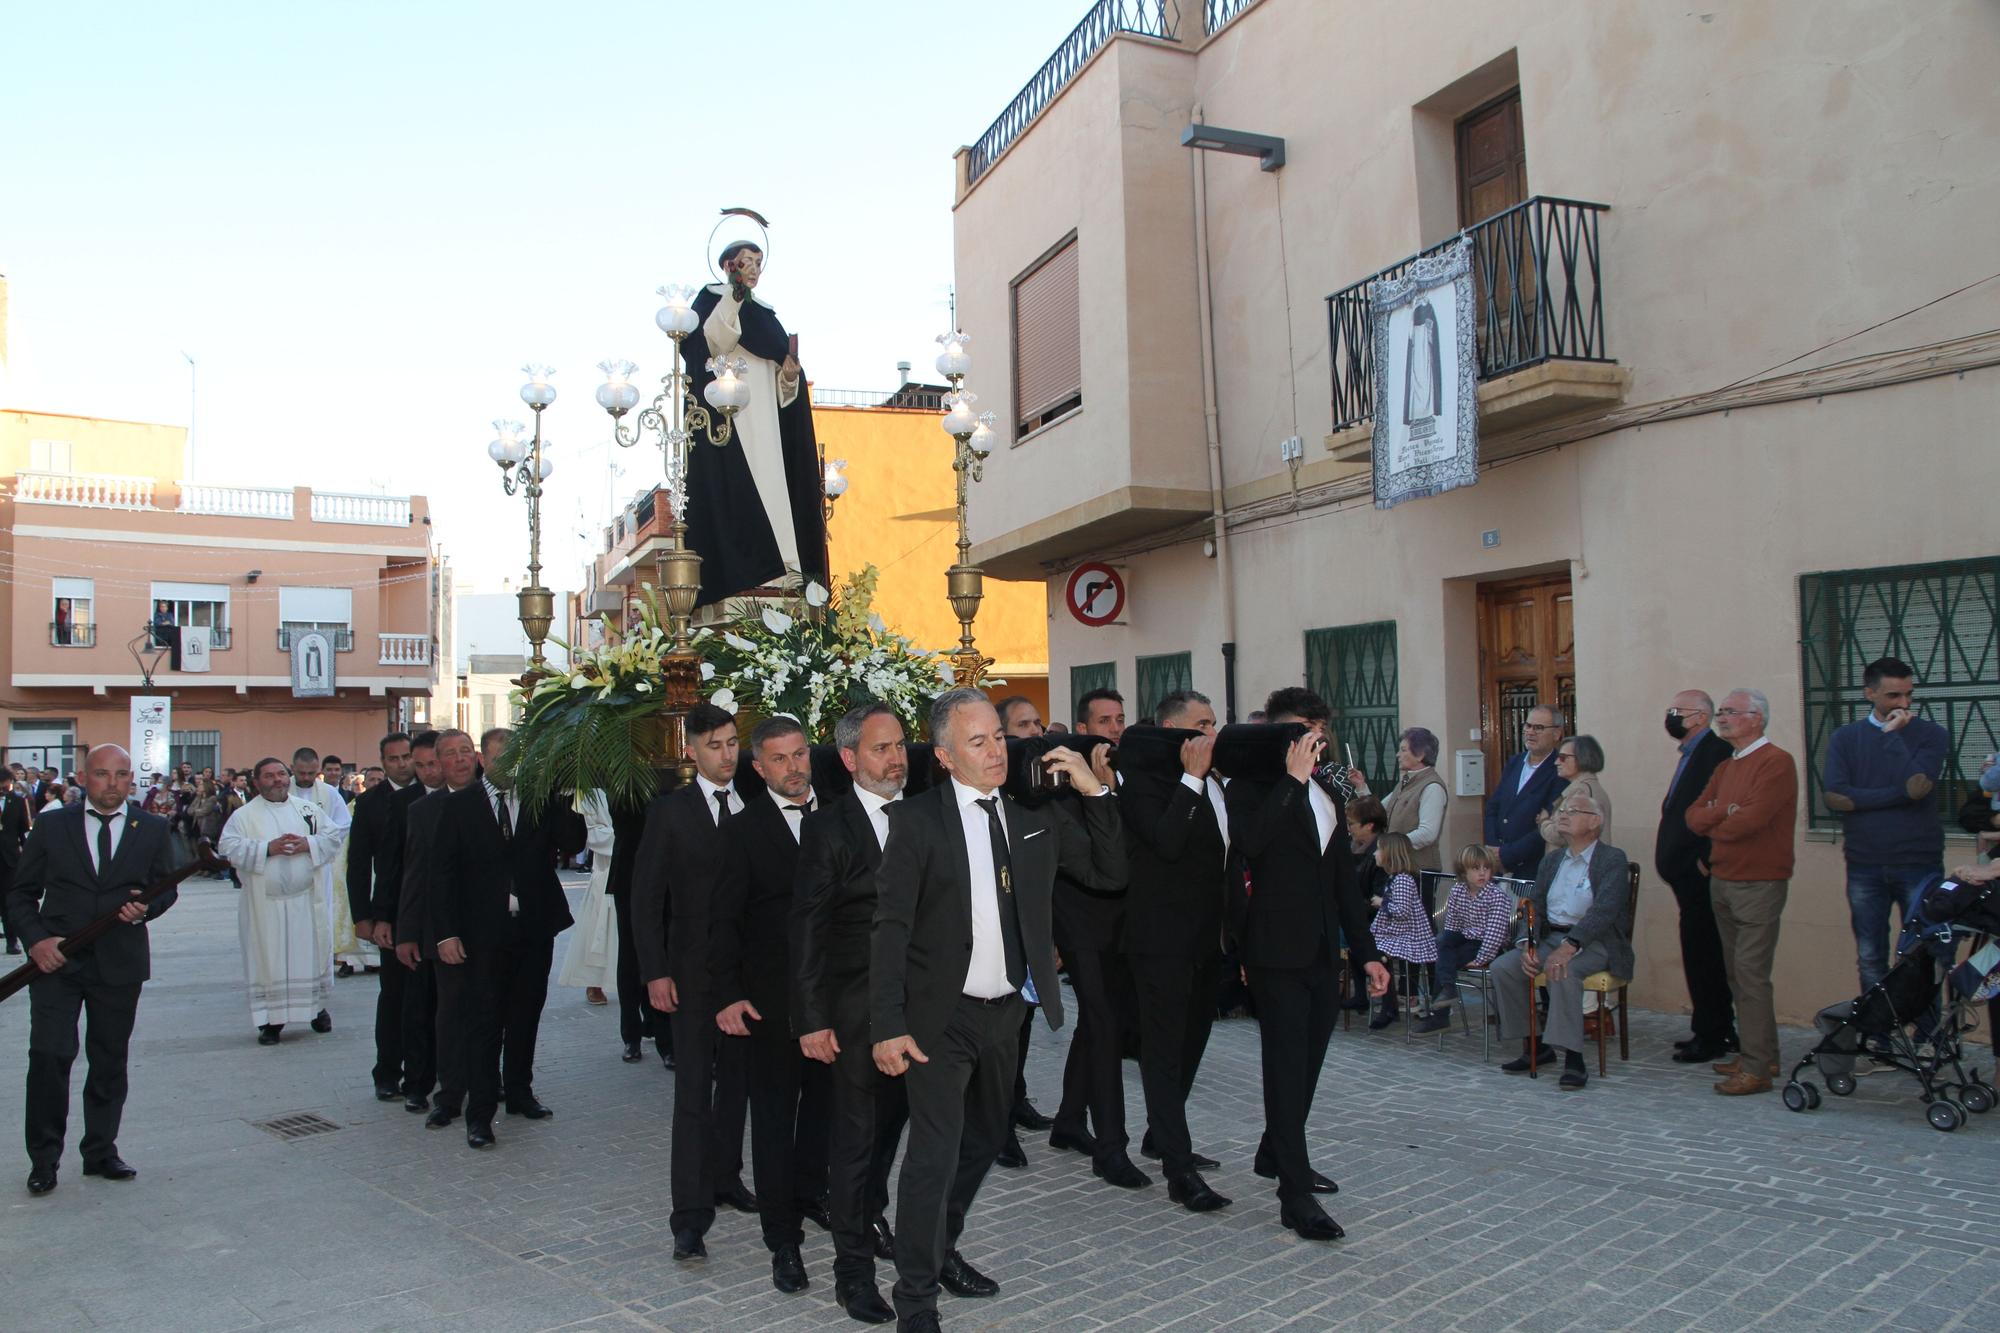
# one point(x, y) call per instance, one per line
point(1881, 776)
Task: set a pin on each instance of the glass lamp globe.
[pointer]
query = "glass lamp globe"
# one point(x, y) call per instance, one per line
point(617, 395)
point(958, 419)
point(954, 360)
point(676, 318)
point(835, 481)
point(983, 435)
point(545, 467)
point(538, 392)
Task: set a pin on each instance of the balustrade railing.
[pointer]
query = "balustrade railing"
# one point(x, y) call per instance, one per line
point(405, 649)
point(84, 490)
point(236, 501)
point(384, 511)
point(1537, 280)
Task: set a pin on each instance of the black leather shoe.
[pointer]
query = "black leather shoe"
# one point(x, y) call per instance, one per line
point(1012, 1154)
point(884, 1239)
point(632, 1055)
point(478, 1133)
point(687, 1245)
point(667, 1058)
point(529, 1109)
point(814, 1211)
point(1315, 1225)
point(733, 1193)
point(13, 947)
point(1121, 1172)
point(962, 1279)
point(1064, 1141)
point(441, 1116)
point(417, 1103)
point(387, 1092)
point(1197, 1160)
point(322, 1021)
point(1574, 1076)
point(1701, 1052)
point(113, 1167)
point(1028, 1118)
point(863, 1302)
point(788, 1270)
point(267, 1035)
point(41, 1179)
point(1192, 1193)
point(1268, 1169)
point(1519, 1064)
point(923, 1321)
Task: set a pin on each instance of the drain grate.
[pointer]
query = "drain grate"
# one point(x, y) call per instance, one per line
point(303, 1125)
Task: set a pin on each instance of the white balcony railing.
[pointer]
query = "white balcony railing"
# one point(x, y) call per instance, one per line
point(236, 501)
point(84, 490)
point(384, 511)
point(405, 649)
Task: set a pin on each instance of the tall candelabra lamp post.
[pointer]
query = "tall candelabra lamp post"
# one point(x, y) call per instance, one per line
point(672, 422)
point(973, 438)
point(524, 465)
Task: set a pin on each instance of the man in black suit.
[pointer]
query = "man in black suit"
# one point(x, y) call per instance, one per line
point(1291, 832)
point(753, 909)
point(496, 908)
point(1681, 857)
point(832, 915)
point(1177, 834)
point(80, 863)
point(962, 922)
point(430, 1043)
point(374, 884)
point(14, 825)
point(637, 1019)
point(1527, 789)
point(673, 911)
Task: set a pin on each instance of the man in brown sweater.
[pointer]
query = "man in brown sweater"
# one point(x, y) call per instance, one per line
point(1748, 812)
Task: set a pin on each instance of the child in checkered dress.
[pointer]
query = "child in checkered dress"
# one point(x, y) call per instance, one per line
point(1476, 920)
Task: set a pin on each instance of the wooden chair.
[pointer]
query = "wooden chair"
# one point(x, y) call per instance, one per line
point(1603, 983)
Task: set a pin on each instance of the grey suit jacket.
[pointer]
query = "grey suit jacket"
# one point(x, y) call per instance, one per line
point(1609, 920)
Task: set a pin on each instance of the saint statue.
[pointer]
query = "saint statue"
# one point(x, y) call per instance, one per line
point(754, 511)
point(1422, 370)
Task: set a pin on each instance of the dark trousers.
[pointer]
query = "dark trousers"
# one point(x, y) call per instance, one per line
point(389, 1004)
point(710, 1102)
point(1454, 952)
point(420, 1005)
point(1094, 1077)
point(452, 1018)
point(509, 983)
point(637, 1020)
point(959, 1112)
point(1176, 1011)
point(1296, 1009)
point(1714, 1017)
point(55, 999)
point(1021, 1057)
point(868, 1114)
point(789, 1112)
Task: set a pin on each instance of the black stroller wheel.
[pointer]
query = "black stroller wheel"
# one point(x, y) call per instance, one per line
point(1977, 1098)
point(1795, 1097)
point(1840, 1085)
point(1944, 1116)
point(1812, 1096)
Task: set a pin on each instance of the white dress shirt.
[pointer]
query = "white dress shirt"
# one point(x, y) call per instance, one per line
point(877, 808)
point(1752, 747)
point(1569, 892)
point(1528, 770)
point(795, 812)
point(986, 978)
point(708, 791)
point(511, 803)
point(1325, 818)
point(91, 824)
point(1213, 789)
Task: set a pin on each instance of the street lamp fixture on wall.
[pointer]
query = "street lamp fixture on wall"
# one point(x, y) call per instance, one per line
point(1268, 149)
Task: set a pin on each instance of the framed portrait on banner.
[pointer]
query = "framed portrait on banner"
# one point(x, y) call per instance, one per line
point(1426, 361)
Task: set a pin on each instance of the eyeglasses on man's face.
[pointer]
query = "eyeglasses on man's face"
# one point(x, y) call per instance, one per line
point(1736, 712)
point(1539, 726)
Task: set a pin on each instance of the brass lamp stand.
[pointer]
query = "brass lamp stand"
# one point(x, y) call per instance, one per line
point(973, 439)
point(524, 466)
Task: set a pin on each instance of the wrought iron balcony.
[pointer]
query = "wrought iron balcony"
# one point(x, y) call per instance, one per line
point(1148, 18)
point(218, 636)
point(341, 635)
point(1537, 274)
point(72, 635)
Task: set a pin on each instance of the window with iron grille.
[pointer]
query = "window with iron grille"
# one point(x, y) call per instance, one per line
point(1048, 342)
point(195, 748)
point(1160, 677)
point(1091, 676)
point(1939, 618)
point(1353, 668)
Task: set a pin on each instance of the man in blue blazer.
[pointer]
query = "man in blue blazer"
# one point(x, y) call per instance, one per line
point(1528, 786)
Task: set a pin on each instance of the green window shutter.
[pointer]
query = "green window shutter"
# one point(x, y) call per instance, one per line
point(1353, 668)
point(1939, 618)
point(1091, 676)
point(1159, 677)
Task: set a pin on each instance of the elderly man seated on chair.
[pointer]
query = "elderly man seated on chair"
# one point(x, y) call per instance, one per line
point(1583, 924)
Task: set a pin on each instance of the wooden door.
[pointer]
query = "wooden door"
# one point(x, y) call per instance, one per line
point(1492, 178)
point(1492, 160)
point(1527, 658)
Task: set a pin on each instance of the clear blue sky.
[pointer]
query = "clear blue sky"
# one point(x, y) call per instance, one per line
point(360, 219)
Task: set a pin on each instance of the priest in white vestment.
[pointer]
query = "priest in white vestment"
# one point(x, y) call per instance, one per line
point(279, 842)
point(591, 960)
point(330, 884)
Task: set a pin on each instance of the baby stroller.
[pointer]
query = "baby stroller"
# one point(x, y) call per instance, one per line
point(1915, 1018)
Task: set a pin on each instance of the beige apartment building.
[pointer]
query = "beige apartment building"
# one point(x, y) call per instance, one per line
point(103, 544)
point(1738, 325)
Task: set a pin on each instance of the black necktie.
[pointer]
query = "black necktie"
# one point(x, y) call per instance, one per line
point(104, 838)
point(506, 820)
point(1003, 880)
point(800, 808)
point(722, 806)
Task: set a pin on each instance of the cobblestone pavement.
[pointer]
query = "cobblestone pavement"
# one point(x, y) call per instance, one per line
point(1471, 1200)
